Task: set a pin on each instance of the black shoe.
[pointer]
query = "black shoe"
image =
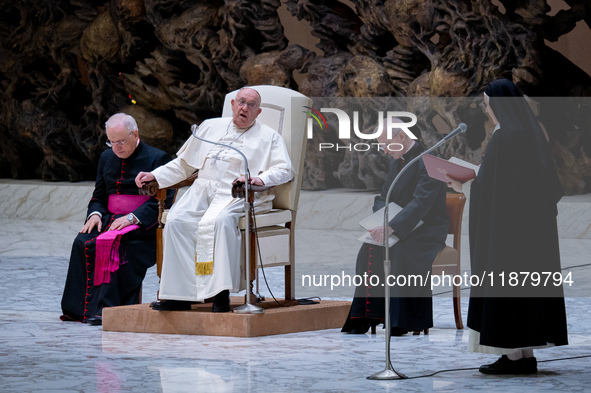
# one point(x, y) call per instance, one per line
point(358, 330)
point(221, 302)
point(68, 318)
point(171, 305)
point(360, 326)
point(97, 320)
point(506, 366)
point(396, 331)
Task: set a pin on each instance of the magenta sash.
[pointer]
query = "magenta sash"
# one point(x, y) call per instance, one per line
point(107, 254)
point(123, 204)
point(107, 243)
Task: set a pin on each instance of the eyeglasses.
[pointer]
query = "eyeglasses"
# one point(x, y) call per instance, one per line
point(251, 105)
point(121, 142)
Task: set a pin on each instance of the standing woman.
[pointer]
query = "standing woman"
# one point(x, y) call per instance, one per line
point(513, 229)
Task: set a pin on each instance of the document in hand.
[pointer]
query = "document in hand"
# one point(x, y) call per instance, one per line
point(455, 168)
point(376, 220)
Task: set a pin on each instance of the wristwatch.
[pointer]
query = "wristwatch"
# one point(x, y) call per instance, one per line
point(130, 218)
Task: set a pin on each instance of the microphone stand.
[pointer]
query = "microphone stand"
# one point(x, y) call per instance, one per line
point(389, 373)
point(246, 308)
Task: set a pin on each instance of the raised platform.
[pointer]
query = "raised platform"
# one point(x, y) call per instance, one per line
point(201, 321)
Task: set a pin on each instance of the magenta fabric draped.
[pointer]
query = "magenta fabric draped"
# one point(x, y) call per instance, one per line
point(107, 254)
point(107, 243)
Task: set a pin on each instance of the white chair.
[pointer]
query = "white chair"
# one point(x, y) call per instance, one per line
point(283, 110)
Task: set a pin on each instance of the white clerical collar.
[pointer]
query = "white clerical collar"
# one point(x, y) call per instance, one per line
point(497, 127)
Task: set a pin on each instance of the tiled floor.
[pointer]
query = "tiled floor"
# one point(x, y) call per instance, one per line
point(40, 353)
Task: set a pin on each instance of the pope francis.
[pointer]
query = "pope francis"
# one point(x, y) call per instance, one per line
point(201, 237)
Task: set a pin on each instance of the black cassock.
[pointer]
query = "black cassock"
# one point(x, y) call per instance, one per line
point(513, 230)
point(81, 299)
point(422, 198)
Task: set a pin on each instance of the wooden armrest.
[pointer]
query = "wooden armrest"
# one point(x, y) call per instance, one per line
point(259, 188)
point(238, 189)
point(187, 182)
point(151, 188)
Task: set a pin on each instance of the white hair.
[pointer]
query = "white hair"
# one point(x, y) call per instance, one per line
point(122, 119)
point(250, 88)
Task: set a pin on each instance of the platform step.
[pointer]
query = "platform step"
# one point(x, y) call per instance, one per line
point(200, 320)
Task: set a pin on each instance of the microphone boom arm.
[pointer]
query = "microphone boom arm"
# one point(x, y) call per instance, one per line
point(460, 129)
point(389, 372)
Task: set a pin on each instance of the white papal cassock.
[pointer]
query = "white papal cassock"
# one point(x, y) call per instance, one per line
point(201, 236)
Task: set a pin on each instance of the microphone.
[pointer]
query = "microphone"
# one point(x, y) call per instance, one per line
point(389, 372)
point(462, 127)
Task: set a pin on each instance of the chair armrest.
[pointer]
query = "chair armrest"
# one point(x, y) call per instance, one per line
point(151, 188)
point(238, 189)
point(187, 182)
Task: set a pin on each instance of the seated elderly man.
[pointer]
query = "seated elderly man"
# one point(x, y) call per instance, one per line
point(421, 199)
point(117, 244)
point(201, 238)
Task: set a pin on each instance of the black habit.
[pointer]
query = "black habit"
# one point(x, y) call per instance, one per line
point(81, 299)
point(513, 229)
point(422, 198)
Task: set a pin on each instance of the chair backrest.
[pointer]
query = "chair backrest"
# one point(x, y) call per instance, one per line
point(455, 211)
point(282, 110)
